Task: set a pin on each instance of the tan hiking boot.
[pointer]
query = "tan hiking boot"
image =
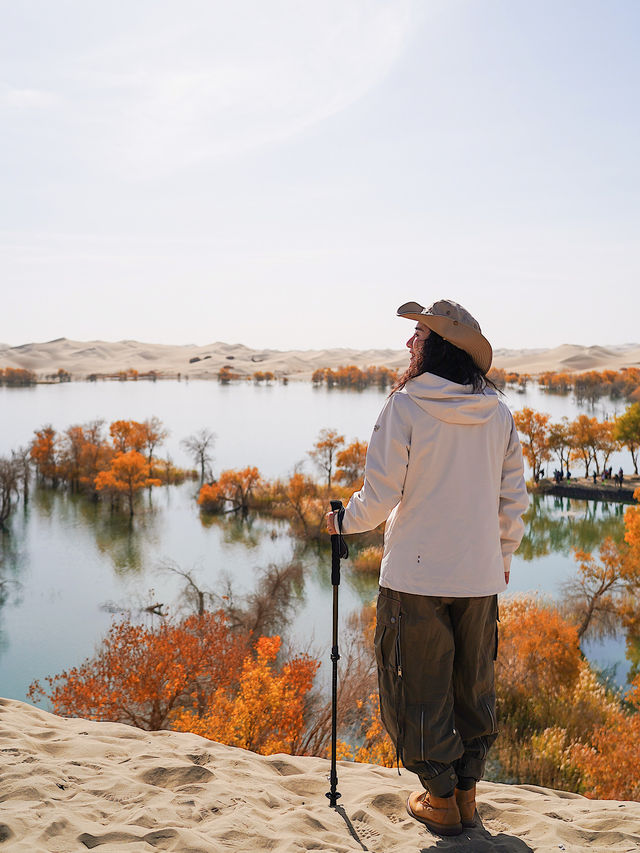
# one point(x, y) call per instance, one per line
point(466, 801)
point(440, 814)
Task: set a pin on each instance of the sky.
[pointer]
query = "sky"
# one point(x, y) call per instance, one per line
point(284, 174)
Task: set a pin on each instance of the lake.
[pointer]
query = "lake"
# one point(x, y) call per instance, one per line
point(271, 426)
point(69, 563)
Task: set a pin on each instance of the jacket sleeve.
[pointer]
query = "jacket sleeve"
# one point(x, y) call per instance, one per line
point(514, 499)
point(385, 470)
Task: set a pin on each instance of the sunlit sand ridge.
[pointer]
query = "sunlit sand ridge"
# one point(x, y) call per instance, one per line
point(81, 359)
point(71, 784)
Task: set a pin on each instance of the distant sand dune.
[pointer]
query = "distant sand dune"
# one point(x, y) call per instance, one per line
point(71, 784)
point(83, 358)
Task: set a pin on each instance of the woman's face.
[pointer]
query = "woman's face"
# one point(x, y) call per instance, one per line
point(417, 339)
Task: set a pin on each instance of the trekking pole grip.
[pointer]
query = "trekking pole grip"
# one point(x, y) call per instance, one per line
point(338, 545)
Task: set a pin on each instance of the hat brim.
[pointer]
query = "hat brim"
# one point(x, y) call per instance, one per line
point(464, 337)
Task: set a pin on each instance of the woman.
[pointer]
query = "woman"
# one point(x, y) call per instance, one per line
point(444, 470)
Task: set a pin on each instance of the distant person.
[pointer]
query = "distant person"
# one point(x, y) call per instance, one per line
point(568, 474)
point(595, 479)
point(444, 470)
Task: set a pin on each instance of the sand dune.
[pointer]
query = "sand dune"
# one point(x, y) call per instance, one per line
point(569, 358)
point(82, 358)
point(71, 784)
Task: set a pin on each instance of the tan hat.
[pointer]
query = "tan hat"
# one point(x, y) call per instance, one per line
point(454, 324)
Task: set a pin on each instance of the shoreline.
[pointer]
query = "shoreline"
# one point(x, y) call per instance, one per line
point(81, 359)
point(582, 488)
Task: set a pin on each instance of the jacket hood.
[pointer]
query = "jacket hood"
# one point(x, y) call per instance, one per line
point(448, 401)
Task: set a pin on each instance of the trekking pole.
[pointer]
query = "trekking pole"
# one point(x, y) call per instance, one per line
point(338, 550)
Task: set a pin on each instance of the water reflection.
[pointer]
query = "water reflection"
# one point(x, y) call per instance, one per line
point(72, 555)
point(560, 525)
point(236, 528)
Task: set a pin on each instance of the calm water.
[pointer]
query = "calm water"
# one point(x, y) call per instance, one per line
point(68, 563)
point(272, 427)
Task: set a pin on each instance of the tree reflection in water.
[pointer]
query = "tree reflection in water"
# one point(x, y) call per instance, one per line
point(561, 525)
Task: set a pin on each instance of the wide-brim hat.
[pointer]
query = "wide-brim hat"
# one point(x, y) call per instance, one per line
point(453, 323)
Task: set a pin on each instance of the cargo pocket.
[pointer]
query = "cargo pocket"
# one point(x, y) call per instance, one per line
point(389, 662)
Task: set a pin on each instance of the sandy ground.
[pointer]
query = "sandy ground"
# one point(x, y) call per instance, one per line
point(71, 784)
point(81, 359)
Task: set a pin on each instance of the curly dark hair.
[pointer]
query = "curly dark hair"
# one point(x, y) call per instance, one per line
point(442, 358)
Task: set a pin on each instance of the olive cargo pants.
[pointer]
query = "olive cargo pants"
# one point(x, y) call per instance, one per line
point(435, 660)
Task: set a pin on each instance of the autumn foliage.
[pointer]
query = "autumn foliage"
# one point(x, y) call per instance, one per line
point(587, 386)
point(560, 726)
point(265, 710)
point(234, 488)
point(195, 675)
point(584, 439)
point(533, 427)
point(350, 464)
point(118, 466)
point(126, 475)
point(141, 675)
point(17, 376)
point(354, 378)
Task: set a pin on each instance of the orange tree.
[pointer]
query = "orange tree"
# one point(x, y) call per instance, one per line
point(44, 453)
point(128, 435)
point(584, 441)
point(627, 431)
point(538, 651)
point(235, 486)
point(560, 442)
point(534, 429)
point(141, 675)
point(609, 762)
point(324, 451)
point(546, 694)
point(350, 464)
point(71, 455)
point(632, 527)
point(605, 443)
point(127, 474)
point(95, 454)
point(305, 505)
point(604, 588)
point(153, 434)
point(209, 498)
point(265, 712)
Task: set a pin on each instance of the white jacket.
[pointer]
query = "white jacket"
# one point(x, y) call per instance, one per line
point(444, 469)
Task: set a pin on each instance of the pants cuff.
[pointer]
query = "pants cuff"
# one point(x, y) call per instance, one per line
point(471, 767)
point(442, 784)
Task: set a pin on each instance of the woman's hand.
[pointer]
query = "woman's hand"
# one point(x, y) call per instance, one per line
point(506, 578)
point(330, 518)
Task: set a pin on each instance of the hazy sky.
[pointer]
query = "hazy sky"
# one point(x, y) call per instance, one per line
point(285, 173)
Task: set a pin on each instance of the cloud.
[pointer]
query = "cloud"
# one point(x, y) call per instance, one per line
point(232, 78)
point(22, 99)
